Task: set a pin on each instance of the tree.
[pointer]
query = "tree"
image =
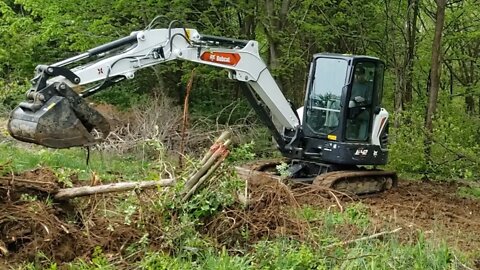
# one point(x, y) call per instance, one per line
point(462, 39)
point(434, 75)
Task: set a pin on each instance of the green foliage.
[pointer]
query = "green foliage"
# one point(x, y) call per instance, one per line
point(469, 192)
point(224, 261)
point(282, 169)
point(64, 173)
point(208, 259)
point(285, 254)
point(123, 96)
point(242, 153)
point(354, 214)
point(454, 145)
point(406, 144)
point(98, 262)
point(10, 94)
point(28, 198)
point(162, 261)
point(390, 254)
point(217, 196)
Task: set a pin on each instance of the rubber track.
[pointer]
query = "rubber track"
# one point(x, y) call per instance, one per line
point(354, 178)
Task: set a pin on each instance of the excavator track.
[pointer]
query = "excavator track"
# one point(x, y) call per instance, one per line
point(358, 182)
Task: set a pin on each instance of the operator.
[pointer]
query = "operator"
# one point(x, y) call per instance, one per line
point(359, 98)
point(361, 89)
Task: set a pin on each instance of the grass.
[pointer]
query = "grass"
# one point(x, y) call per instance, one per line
point(108, 167)
point(469, 192)
point(388, 253)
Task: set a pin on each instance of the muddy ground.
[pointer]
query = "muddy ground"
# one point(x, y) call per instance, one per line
point(61, 231)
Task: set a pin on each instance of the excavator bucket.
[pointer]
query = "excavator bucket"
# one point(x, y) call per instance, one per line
point(56, 117)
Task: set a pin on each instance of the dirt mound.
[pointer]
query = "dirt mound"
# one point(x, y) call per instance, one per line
point(115, 117)
point(432, 207)
point(39, 182)
point(30, 222)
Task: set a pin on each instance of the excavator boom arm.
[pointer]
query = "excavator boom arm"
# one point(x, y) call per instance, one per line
point(48, 117)
point(157, 46)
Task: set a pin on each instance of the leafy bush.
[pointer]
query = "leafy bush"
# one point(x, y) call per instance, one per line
point(454, 147)
point(11, 93)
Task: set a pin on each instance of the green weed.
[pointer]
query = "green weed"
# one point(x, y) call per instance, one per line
point(242, 153)
point(469, 192)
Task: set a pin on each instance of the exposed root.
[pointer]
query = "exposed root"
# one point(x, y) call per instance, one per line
point(270, 212)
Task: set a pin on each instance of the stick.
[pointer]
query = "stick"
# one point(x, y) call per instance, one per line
point(205, 177)
point(68, 193)
point(343, 243)
point(185, 118)
point(223, 137)
point(336, 199)
point(208, 164)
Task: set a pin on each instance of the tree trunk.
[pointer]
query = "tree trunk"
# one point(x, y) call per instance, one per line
point(274, 26)
point(434, 76)
point(412, 15)
point(398, 104)
point(470, 104)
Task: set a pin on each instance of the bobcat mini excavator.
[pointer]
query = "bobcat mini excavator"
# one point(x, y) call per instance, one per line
point(340, 129)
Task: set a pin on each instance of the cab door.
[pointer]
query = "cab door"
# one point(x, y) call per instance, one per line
point(364, 96)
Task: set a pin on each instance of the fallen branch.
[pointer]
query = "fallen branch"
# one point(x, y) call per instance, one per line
point(68, 193)
point(376, 235)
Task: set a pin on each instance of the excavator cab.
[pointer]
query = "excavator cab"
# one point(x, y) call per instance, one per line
point(342, 119)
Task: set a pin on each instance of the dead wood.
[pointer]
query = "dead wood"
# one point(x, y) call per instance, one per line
point(376, 235)
point(68, 193)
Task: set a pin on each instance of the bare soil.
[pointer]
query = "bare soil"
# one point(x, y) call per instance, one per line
point(435, 208)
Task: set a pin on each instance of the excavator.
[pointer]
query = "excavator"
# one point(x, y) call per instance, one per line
point(337, 139)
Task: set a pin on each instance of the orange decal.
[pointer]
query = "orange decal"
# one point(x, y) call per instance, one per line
point(382, 123)
point(221, 58)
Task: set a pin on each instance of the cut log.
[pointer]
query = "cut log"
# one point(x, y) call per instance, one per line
point(219, 152)
point(68, 193)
